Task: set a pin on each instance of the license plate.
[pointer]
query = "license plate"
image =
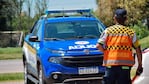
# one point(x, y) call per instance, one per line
point(88, 70)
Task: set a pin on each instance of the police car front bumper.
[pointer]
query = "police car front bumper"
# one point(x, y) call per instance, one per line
point(58, 77)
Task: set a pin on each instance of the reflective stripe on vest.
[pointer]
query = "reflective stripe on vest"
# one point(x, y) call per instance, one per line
point(118, 46)
point(118, 62)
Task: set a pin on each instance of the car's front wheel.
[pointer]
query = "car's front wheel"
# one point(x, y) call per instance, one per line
point(40, 76)
point(26, 79)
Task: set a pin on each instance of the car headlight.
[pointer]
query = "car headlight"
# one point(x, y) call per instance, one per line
point(62, 52)
point(55, 59)
point(58, 51)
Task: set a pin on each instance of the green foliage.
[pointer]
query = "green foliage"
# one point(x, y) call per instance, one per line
point(9, 9)
point(140, 29)
point(5, 17)
point(142, 33)
point(145, 42)
point(137, 10)
point(105, 11)
point(25, 24)
point(4, 42)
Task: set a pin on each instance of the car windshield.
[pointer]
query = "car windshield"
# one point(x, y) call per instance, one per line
point(72, 30)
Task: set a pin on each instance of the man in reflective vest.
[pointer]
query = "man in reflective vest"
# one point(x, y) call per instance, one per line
point(117, 42)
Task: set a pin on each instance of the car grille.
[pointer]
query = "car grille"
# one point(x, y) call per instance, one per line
point(82, 61)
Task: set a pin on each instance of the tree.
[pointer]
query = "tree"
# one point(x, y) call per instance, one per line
point(17, 7)
point(137, 9)
point(41, 6)
point(2, 18)
point(6, 15)
point(9, 10)
point(29, 4)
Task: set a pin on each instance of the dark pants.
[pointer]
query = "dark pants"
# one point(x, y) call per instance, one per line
point(117, 75)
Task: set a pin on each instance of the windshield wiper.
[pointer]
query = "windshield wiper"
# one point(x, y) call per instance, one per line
point(86, 36)
point(90, 36)
point(55, 39)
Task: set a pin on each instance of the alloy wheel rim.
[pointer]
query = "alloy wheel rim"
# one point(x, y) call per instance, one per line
point(40, 76)
point(25, 73)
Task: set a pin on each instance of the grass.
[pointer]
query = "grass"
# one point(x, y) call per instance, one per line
point(133, 71)
point(10, 53)
point(10, 56)
point(145, 42)
point(11, 76)
point(10, 50)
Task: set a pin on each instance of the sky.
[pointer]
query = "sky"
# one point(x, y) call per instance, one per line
point(72, 4)
point(68, 4)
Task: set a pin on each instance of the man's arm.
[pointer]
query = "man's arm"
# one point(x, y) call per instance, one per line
point(101, 41)
point(100, 47)
point(136, 46)
point(139, 56)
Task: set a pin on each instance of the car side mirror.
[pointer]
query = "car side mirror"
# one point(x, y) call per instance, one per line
point(33, 38)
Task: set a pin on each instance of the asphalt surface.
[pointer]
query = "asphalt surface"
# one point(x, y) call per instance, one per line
point(12, 82)
point(11, 66)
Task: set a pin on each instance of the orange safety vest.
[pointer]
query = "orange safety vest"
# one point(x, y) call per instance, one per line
point(118, 46)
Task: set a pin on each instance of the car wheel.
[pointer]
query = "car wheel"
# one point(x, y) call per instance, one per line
point(26, 79)
point(40, 77)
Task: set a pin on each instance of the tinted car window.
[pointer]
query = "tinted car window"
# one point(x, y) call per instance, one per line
point(68, 30)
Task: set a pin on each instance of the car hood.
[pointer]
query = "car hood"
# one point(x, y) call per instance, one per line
point(71, 44)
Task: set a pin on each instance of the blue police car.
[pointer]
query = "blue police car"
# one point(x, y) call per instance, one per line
point(61, 48)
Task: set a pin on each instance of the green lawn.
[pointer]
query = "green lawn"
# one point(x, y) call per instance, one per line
point(10, 50)
point(11, 76)
point(10, 53)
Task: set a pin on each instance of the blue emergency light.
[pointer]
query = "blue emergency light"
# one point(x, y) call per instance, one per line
point(68, 11)
point(64, 13)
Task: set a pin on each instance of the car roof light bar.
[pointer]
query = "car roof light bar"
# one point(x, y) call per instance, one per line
point(68, 11)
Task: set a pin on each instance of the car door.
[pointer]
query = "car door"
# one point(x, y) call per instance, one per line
point(33, 47)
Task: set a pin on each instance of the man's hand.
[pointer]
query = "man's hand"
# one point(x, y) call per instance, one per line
point(100, 47)
point(139, 70)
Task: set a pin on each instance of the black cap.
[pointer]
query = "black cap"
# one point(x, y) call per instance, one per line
point(120, 13)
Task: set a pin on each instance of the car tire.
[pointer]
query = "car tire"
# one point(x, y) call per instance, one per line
point(40, 75)
point(26, 79)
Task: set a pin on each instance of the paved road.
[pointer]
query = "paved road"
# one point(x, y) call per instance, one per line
point(12, 82)
point(11, 66)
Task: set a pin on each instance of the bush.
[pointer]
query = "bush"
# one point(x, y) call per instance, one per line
point(141, 30)
point(4, 42)
point(144, 42)
point(10, 38)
